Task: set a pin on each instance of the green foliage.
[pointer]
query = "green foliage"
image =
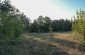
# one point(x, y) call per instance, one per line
point(78, 26)
point(45, 24)
point(61, 25)
point(26, 22)
point(11, 25)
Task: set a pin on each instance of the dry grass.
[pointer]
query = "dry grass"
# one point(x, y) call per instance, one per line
point(44, 44)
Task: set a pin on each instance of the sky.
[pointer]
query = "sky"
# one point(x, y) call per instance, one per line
point(55, 9)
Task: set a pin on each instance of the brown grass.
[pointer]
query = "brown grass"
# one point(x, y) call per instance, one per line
point(43, 44)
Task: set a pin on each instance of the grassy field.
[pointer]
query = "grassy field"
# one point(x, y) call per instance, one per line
point(45, 44)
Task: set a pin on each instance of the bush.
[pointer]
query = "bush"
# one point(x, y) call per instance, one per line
point(11, 25)
point(78, 25)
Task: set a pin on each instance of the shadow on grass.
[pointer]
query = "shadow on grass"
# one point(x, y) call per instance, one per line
point(62, 42)
point(31, 46)
point(69, 44)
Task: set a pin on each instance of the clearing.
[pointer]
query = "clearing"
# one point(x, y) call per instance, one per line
point(45, 44)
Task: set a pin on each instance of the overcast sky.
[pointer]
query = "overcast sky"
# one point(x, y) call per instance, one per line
point(55, 9)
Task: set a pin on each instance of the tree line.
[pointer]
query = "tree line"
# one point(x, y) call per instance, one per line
point(13, 23)
point(45, 24)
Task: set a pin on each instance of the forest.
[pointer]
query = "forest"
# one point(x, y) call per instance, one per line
point(20, 36)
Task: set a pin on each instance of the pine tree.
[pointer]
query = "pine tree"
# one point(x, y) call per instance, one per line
point(78, 25)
